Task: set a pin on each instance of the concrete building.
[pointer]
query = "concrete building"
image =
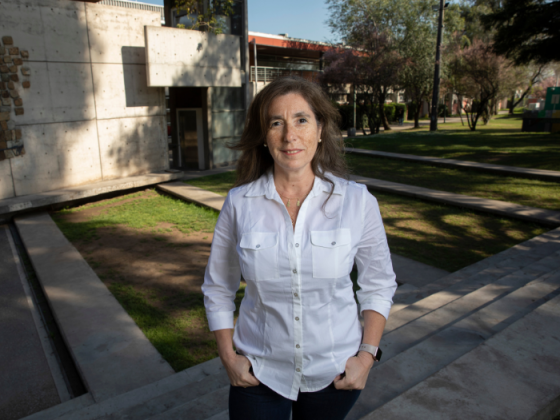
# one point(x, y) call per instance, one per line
point(83, 93)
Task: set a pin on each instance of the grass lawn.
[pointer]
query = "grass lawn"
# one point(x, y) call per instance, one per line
point(151, 250)
point(528, 192)
point(442, 236)
point(500, 142)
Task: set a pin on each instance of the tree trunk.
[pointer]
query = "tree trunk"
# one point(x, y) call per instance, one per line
point(511, 103)
point(382, 115)
point(417, 116)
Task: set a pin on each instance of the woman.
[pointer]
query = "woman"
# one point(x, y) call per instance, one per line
point(293, 228)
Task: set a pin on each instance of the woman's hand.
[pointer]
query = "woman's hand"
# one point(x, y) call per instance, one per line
point(237, 367)
point(356, 373)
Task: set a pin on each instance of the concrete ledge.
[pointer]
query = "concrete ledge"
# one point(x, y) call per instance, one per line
point(61, 409)
point(502, 208)
point(542, 174)
point(13, 206)
point(111, 353)
point(513, 375)
point(194, 194)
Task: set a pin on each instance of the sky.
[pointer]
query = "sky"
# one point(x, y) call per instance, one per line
point(298, 18)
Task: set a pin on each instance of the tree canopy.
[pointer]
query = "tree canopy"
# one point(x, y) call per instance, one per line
point(526, 30)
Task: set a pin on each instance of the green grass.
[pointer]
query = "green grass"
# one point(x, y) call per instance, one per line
point(219, 183)
point(168, 330)
point(528, 192)
point(139, 214)
point(446, 237)
point(500, 142)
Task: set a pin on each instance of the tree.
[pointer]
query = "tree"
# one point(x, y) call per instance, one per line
point(523, 78)
point(411, 29)
point(205, 15)
point(370, 68)
point(526, 30)
point(480, 74)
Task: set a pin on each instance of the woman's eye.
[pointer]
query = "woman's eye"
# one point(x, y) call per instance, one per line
point(302, 120)
point(275, 124)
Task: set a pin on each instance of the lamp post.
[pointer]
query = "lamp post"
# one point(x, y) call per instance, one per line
point(435, 96)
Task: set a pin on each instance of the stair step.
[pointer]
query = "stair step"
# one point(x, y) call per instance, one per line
point(59, 410)
point(512, 375)
point(405, 370)
point(187, 384)
point(486, 277)
point(516, 257)
point(202, 408)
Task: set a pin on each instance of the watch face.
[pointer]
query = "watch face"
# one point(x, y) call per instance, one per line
point(378, 354)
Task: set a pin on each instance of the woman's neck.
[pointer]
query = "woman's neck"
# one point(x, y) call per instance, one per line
point(293, 184)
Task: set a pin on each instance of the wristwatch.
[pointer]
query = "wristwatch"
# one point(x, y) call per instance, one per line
point(374, 351)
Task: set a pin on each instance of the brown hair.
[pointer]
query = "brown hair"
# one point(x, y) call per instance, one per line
point(255, 158)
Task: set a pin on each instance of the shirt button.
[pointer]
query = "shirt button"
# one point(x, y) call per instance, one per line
point(296, 295)
point(297, 346)
point(298, 370)
point(297, 318)
point(258, 246)
point(297, 245)
point(294, 271)
point(333, 244)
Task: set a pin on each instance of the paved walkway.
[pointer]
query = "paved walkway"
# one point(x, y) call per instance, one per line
point(10, 206)
point(25, 377)
point(502, 208)
point(407, 270)
point(542, 174)
point(407, 125)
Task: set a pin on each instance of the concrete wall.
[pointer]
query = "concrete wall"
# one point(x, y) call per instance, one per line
point(89, 113)
point(182, 58)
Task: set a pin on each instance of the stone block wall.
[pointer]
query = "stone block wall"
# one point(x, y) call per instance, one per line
point(75, 105)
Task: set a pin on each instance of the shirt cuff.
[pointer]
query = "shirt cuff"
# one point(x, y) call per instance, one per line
point(220, 320)
point(378, 305)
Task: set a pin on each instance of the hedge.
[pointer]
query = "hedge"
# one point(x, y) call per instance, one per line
point(347, 114)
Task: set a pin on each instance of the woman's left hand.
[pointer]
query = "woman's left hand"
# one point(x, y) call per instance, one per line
point(356, 373)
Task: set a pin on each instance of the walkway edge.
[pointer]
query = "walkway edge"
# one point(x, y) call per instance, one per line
point(502, 208)
point(542, 174)
point(111, 353)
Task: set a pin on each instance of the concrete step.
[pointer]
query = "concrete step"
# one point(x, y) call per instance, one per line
point(458, 290)
point(405, 370)
point(58, 411)
point(512, 259)
point(159, 396)
point(513, 375)
point(422, 319)
point(203, 408)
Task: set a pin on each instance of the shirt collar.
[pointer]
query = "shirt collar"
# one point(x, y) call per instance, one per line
point(265, 186)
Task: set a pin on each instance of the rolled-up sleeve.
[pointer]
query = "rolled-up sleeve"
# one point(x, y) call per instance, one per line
point(223, 274)
point(376, 277)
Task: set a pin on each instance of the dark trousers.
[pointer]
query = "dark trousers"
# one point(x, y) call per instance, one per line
point(262, 403)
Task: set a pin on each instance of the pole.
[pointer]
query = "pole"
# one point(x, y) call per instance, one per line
point(354, 89)
point(256, 68)
point(433, 121)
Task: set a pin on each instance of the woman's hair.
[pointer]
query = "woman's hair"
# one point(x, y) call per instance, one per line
point(256, 159)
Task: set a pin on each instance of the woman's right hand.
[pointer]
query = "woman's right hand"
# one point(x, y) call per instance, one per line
point(237, 367)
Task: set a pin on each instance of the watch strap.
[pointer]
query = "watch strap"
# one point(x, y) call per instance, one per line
point(374, 351)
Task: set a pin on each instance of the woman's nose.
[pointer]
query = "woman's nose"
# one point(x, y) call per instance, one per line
point(289, 133)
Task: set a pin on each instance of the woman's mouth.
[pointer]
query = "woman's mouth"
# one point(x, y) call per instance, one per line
point(291, 152)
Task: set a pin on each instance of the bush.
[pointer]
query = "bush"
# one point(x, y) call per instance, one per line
point(443, 108)
point(347, 114)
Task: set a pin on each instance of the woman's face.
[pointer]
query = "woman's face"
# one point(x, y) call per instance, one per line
point(293, 133)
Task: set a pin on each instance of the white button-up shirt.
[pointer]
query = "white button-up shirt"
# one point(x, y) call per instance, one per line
point(298, 321)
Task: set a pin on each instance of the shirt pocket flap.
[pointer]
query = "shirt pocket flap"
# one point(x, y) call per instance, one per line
point(258, 240)
point(330, 238)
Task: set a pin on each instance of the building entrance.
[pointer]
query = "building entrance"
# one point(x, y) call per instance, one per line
point(191, 146)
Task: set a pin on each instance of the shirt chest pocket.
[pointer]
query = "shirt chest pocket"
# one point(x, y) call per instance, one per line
point(330, 253)
point(259, 255)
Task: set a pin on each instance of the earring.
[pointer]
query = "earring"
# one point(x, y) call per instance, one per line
point(265, 145)
point(319, 140)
